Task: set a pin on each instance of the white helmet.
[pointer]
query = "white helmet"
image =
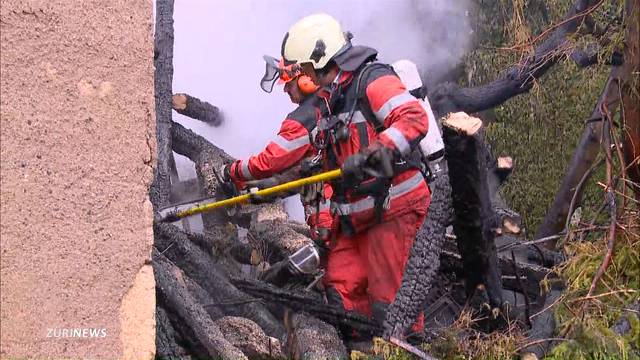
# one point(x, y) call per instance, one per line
point(314, 39)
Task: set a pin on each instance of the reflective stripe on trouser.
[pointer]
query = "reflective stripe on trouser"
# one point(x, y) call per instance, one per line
point(368, 266)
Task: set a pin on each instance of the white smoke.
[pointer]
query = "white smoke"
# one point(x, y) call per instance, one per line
point(219, 46)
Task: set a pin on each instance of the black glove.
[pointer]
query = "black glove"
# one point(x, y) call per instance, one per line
point(353, 169)
point(375, 161)
point(227, 187)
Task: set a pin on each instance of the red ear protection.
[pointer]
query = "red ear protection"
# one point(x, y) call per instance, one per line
point(306, 85)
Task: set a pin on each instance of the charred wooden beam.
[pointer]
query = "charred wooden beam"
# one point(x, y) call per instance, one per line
point(507, 220)
point(205, 270)
point(519, 79)
point(531, 275)
point(173, 292)
point(195, 108)
point(498, 171)
point(163, 61)
point(423, 262)
point(474, 222)
point(310, 303)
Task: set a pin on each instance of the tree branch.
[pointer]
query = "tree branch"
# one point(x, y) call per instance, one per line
point(518, 79)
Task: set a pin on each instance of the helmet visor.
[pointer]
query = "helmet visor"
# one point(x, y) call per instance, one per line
point(271, 73)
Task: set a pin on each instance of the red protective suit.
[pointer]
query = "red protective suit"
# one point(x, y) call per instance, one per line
point(365, 268)
point(365, 264)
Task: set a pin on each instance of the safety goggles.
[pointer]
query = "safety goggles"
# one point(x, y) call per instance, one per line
point(276, 71)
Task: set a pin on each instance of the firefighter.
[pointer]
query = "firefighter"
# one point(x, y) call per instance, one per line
point(370, 127)
point(359, 117)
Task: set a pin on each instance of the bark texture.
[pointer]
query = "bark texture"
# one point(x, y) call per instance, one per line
point(195, 108)
point(424, 260)
point(202, 268)
point(163, 59)
point(313, 339)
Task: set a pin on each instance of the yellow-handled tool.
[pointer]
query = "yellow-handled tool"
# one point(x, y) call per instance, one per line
point(178, 212)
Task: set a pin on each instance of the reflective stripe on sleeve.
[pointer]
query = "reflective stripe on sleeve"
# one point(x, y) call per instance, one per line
point(291, 145)
point(244, 169)
point(398, 139)
point(393, 103)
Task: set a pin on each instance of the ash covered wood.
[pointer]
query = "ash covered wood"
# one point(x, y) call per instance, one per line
point(206, 271)
point(173, 293)
point(195, 108)
point(273, 236)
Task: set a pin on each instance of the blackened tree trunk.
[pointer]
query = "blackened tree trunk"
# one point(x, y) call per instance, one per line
point(474, 221)
point(623, 80)
point(163, 61)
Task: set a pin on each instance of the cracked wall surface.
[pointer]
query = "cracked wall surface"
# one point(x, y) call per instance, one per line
point(77, 141)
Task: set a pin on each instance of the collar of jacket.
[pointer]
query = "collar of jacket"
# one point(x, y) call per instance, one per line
point(354, 57)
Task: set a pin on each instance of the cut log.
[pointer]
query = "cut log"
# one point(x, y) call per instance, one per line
point(173, 293)
point(498, 171)
point(507, 220)
point(195, 108)
point(423, 262)
point(312, 339)
point(519, 79)
point(247, 336)
point(474, 222)
point(163, 61)
point(272, 236)
point(202, 268)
